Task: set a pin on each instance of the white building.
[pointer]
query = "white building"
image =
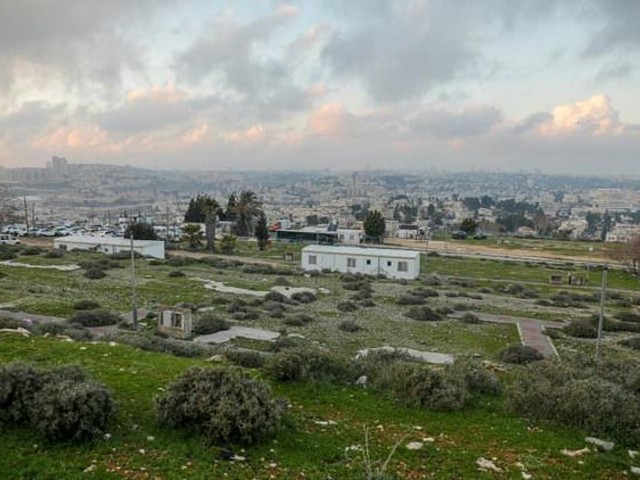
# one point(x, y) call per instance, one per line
point(111, 245)
point(350, 237)
point(392, 263)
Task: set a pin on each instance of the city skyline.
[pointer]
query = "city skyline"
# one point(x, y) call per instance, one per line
point(410, 85)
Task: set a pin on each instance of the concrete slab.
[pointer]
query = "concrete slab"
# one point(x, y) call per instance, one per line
point(428, 357)
point(233, 332)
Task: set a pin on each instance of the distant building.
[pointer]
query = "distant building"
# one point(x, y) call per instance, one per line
point(306, 236)
point(392, 263)
point(623, 233)
point(110, 245)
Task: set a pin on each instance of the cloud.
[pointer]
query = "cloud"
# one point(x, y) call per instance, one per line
point(147, 110)
point(471, 121)
point(419, 46)
point(619, 27)
point(80, 41)
point(592, 116)
point(615, 71)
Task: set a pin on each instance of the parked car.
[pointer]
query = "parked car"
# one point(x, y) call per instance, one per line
point(7, 239)
point(459, 235)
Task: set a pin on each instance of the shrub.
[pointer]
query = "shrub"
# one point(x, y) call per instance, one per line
point(633, 343)
point(246, 315)
point(424, 292)
point(246, 359)
point(424, 386)
point(470, 318)
point(94, 318)
point(347, 306)
point(423, 314)
point(477, 378)
point(55, 253)
point(281, 281)
point(298, 320)
point(274, 296)
point(94, 274)
point(460, 307)
point(362, 295)
point(209, 323)
point(519, 354)
point(31, 251)
point(62, 403)
point(176, 274)
point(602, 401)
point(432, 280)
point(349, 326)
point(86, 304)
point(581, 329)
point(223, 405)
point(445, 310)
point(309, 366)
point(367, 303)
point(154, 343)
point(283, 343)
point(13, 323)
point(73, 410)
point(410, 300)
point(304, 297)
point(75, 332)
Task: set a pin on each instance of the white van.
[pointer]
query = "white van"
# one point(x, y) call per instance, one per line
point(8, 239)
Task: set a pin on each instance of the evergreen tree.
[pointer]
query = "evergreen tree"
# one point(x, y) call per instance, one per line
point(262, 231)
point(375, 226)
point(141, 231)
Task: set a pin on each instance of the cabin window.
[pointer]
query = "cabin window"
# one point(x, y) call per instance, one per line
point(176, 320)
point(388, 263)
point(313, 259)
point(368, 261)
point(403, 266)
point(351, 263)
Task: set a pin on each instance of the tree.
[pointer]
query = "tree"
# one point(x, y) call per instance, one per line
point(141, 231)
point(629, 255)
point(262, 231)
point(230, 214)
point(210, 208)
point(228, 244)
point(8, 209)
point(247, 208)
point(374, 226)
point(192, 234)
point(194, 212)
point(469, 225)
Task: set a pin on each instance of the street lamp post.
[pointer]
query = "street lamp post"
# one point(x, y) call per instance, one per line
point(134, 296)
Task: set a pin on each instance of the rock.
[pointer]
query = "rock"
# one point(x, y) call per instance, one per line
point(324, 423)
point(576, 453)
point(635, 470)
point(238, 458)
point(90, 468)
point(361, 381)
point(633, 453)
point(415, 445)
point(604, 445)
point(487, 465)
point(20, 331)
point(526, 476)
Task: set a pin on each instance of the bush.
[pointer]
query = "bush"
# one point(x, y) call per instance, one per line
point(347, 306)
point(581, 329)
point(274, 296)
point(349, 326)
point(154, 343)
point(176, 274)
point(602, 401)
point(31, 251)
point(73, 410)
point(246, 359)
point(423, 314)
point(209, 323)
point(86, 305)
point(94, 318)
point(62, 403)
point(75, 332)
point(309, 366)
point(298, 320)
point(13, 323)
point(55, 253)
point(470, 318)
point(362, 295)
point(367, 303)
point(246, 315)
point(432, 280)
point(410, 300)
point(633, 343)
point(223, 405)
point(304, 297)
point(477, 378)
point(519, 354)
point(94, 274)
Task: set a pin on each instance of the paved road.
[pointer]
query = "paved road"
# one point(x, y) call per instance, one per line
point(531, 331)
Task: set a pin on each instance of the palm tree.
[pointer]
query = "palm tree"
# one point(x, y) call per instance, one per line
point(247, 208)
point(210, 209)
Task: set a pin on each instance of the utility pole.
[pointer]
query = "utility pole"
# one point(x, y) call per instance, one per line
point(26, 215)
point(134, 296)
point(603, 293)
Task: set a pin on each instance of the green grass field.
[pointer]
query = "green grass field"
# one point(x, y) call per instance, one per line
point(137, 448)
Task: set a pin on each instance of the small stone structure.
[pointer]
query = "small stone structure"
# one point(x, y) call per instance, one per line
point(556, 279)
point(576, 279)
point(289, 257)
point(176, 322)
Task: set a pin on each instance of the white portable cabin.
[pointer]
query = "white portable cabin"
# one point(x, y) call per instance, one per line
point(111, 245)
point(392, 263)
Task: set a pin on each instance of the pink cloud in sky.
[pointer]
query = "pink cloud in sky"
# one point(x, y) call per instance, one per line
point(594, 115)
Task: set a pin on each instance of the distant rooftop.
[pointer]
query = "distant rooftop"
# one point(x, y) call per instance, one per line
point(362, 251)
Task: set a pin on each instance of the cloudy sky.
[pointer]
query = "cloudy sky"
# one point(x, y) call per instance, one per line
point(405, 84)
